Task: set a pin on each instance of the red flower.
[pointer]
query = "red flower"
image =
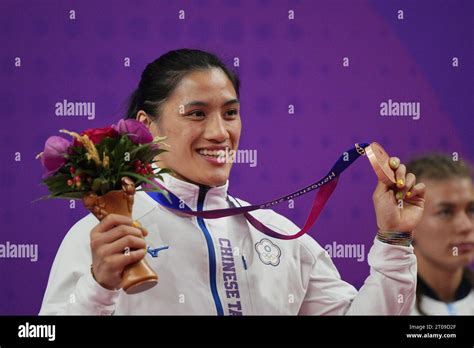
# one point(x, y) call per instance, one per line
point(96, 135)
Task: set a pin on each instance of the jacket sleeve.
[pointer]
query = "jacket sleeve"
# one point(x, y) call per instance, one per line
point(388, 290)
point(71, 288)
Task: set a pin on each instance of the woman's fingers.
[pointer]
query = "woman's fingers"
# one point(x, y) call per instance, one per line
point(394, 162)
point(417, 191)
point(116, 233)
point(139, 225)
point(116, 242)
point(111, 221)
point(410, 181)
point(120, 261)
point(125, 244)
point(404, 182)
point(400, 174)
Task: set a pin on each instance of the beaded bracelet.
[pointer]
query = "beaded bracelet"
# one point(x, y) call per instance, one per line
point(395, 237)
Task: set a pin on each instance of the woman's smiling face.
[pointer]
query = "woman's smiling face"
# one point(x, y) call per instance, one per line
point(199, 118)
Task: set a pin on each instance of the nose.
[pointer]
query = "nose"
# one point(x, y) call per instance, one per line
point(216, 129)
point(464, 224)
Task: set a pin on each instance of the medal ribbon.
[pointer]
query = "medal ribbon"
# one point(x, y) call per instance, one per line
point(326, 187)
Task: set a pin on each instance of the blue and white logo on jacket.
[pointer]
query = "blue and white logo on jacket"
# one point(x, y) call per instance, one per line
point(268, 252)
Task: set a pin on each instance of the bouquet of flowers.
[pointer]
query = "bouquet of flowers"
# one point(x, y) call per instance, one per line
point(97, 159)
point(103, 167)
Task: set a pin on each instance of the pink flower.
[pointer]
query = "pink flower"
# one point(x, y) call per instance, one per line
point(54, 154)
point(136, 131)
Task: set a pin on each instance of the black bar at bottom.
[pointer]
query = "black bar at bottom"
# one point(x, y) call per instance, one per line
point(146, 330)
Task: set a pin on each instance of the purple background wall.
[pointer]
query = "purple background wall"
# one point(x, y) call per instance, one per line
point(282, 62)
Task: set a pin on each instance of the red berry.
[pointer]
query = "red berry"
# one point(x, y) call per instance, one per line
point(77, 178)
point(69, 182)
point(72, 170)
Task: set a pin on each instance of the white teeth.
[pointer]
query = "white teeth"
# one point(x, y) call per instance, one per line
point(214, 153)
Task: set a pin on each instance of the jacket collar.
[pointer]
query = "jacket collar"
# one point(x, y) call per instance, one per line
point(214, 197)
point(464, 289)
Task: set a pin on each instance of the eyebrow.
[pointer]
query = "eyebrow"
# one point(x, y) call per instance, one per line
point(201, 103)
point(446, 205)
point(451, 205)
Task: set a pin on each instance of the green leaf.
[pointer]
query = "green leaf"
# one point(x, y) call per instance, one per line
point(96, 184)
point(165, 171)
point(139, 148)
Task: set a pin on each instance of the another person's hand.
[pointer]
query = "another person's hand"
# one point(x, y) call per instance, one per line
point(400, 207)
point(115, 244)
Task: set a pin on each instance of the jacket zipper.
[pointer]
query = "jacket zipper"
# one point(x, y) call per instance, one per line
point(211, 251)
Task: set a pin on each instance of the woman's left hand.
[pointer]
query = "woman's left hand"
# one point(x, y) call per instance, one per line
point(399, 207)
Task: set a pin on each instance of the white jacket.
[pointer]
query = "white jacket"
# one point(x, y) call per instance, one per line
point(226, 266)
point(430, 304)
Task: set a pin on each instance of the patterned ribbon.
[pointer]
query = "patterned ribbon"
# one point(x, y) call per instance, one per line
point(326, 187)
